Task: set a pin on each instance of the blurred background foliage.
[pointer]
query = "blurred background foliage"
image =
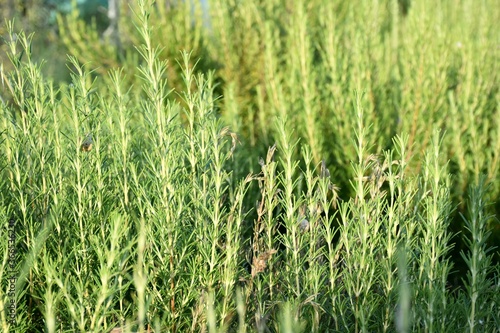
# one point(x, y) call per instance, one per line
point(40, 17)
point(420, 64)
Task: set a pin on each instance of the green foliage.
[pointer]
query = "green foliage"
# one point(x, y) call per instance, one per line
point(137, 208)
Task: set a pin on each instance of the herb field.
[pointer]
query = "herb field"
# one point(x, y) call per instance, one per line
point(253, 166)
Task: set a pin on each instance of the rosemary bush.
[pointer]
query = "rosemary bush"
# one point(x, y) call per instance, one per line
point(309, 182)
